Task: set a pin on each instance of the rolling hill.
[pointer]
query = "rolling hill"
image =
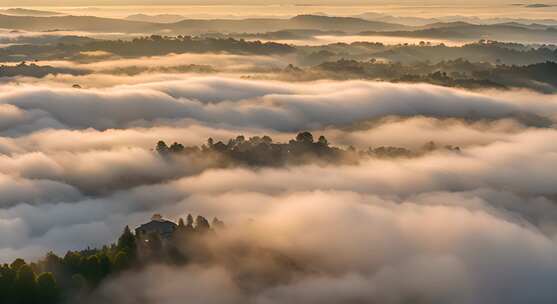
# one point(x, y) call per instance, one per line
point(194, 26)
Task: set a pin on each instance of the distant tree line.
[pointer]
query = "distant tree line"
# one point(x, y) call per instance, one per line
point(492, 52)
point(461, 73)
point(154, 45)
point(452, 73)
point(34, 70)
point(76, 48)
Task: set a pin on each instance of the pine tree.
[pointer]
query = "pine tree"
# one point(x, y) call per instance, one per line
point(127, 243)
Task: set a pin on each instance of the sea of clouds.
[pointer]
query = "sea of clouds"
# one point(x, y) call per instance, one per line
point(479, 226)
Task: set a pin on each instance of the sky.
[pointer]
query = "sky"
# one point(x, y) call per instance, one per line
point(288, 8)
point(239, 2)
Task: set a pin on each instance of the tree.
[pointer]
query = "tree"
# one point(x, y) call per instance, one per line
point(7, 280)
point(53, 263)
point(122, 261)
point(78, 282)
point(201, 224)
point(91, 269)
point(217, 224)
point(47, 289)
point(72, 261)
point(17, 263)
point(25, 285)
point(162, 148)
point(127, 243)
point(266, 140)
point(181, 224)
point(323, 141)
point(304, 138)
point(105, 266)
point(177, 148)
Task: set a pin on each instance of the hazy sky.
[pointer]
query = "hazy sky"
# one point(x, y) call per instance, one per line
point(207, 2)
point(286, 8)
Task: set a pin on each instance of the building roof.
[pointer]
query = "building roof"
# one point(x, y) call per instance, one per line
point(162, 227)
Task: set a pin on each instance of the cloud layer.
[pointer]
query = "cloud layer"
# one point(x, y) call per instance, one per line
point(255, 104)
point(76, 165)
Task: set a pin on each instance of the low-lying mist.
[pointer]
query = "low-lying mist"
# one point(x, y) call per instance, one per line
point(473, 226)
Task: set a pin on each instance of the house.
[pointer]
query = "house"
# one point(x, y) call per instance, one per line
point(157, 225)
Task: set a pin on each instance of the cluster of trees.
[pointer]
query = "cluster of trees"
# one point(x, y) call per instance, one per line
point(262, 151)
point(20, 285)
point(492, 52)
point(74, 276)
point(34, 70)
point(453, 73)
point(161, 45)
point(154, 45)
point(187, 68)
point(72, 47)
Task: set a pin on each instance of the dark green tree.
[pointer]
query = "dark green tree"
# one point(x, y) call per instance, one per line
point(7, 281)
point(127, 243)
point(122, 261)
point(17, 263)
point(105, 266)
point(91, 270)
point(48, 291)
point(53, 263)
point(72, 261)
point(25, 286)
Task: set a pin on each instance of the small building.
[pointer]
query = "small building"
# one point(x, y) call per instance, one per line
point(157, 225)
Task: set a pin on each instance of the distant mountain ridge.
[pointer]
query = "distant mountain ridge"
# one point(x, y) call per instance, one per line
point(422, 21)
point(532, 34)
point(99, 24)
point(161, 18)
point(28, 12)
point(459, 30)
